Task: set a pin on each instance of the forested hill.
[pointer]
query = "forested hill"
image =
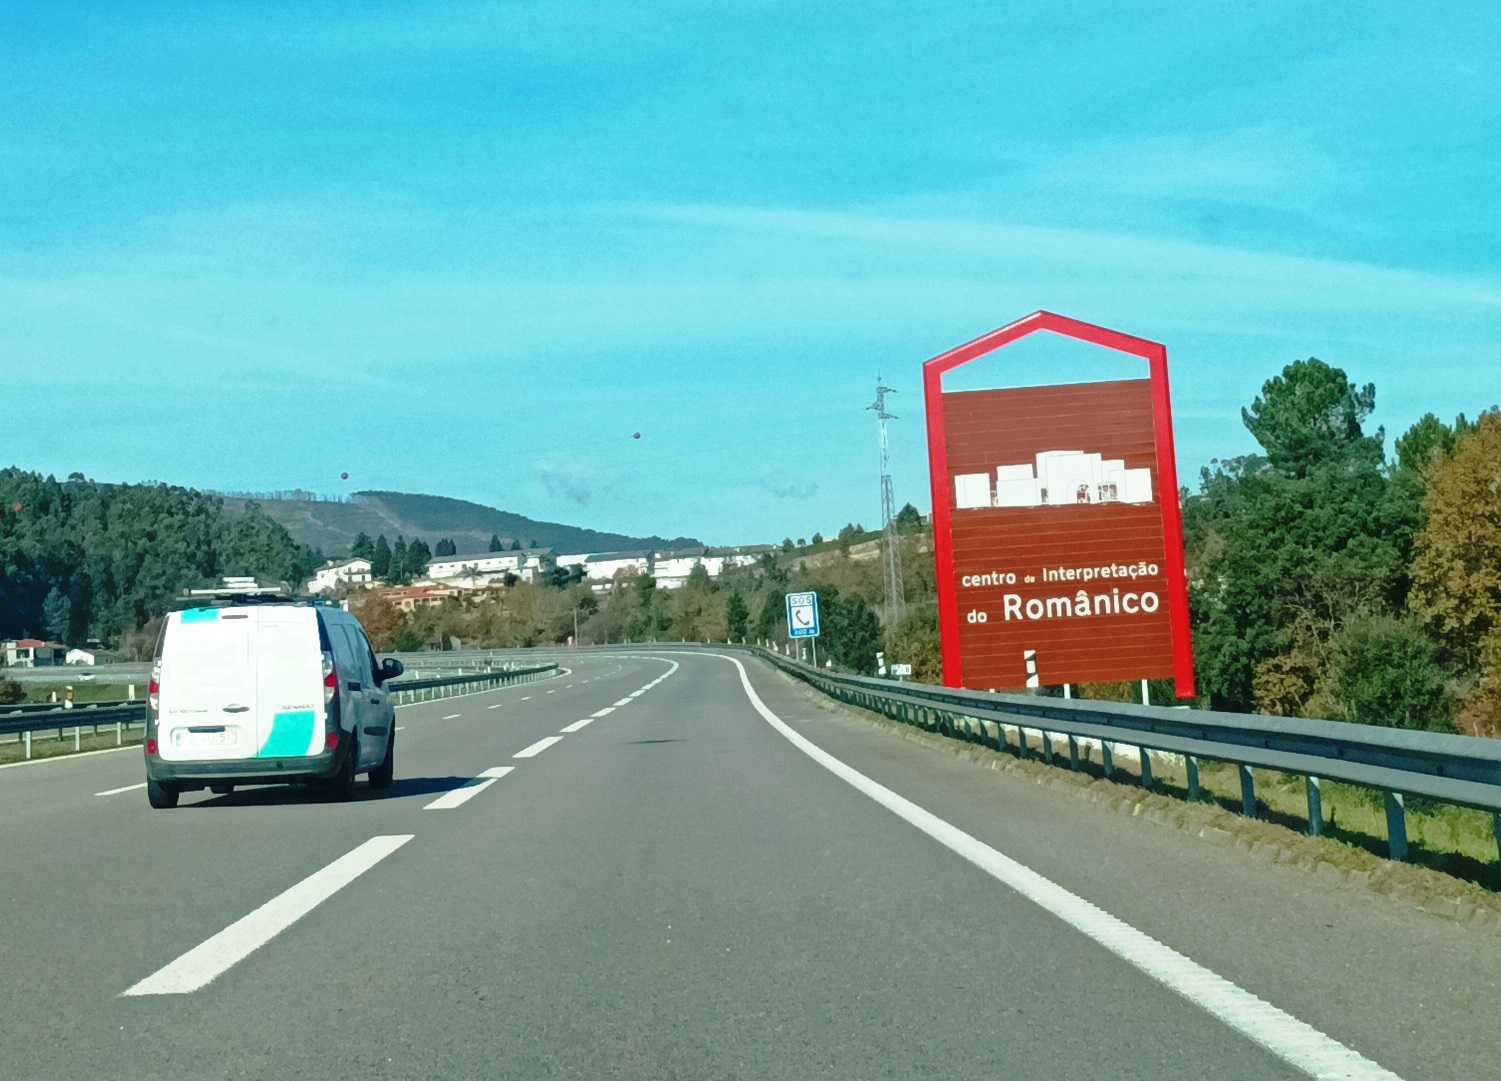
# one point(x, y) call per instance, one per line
point(81, 559)
point(333, 526)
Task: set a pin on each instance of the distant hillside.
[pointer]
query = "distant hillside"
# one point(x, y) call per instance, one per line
point(332, 526)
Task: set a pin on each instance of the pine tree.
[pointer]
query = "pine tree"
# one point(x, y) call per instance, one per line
point(399, 560)
point(417, 559)
point(363, 547)
point(380, 558)
point(737, 617)
point(495, 544)
point(57, 615)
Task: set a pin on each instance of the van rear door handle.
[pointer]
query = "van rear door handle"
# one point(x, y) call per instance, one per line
point(354, 685)
point(236, 709)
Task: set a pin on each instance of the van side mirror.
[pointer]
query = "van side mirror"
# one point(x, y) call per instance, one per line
point(390, 668)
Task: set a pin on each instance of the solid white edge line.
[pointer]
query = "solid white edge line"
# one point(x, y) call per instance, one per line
point(1296, 1043)
point(603, 712)
point(71, 756)
point(222, 951)
point(537, 748)
point(577, 725)
point(457, 797)
point(117, 791)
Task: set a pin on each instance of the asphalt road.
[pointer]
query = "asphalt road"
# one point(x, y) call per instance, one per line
point(649, 868)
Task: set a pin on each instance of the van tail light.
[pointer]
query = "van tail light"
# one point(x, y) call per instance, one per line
point(154, 688)
point(331, 741)
point(330, 681)
point(151, 746)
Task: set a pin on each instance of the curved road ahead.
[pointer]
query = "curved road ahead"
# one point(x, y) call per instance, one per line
point(673, 865)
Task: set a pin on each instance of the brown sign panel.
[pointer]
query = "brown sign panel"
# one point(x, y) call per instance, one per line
point(1059, 566)
point(1057, 535)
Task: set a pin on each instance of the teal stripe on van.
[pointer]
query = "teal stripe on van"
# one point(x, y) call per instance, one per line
point(291, 735)
point(200, 615)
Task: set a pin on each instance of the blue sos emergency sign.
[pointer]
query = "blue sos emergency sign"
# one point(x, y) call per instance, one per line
point(802, 615)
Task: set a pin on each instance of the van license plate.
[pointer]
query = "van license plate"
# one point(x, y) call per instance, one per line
point(206, 739)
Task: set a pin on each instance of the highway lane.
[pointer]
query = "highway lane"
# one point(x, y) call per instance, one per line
point(672, 889)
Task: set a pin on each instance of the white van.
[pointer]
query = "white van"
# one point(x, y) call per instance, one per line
point(259, 687)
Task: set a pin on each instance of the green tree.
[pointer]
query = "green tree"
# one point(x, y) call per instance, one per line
point(446, 547)
point(1283, 555)
point(495, 545)
point(1310, 415)
point(11, 692)
point(1423, 447)
point(1386, 671)
point(908, 519)
point(515, 545)
point(363, 547)
point(915, 641)
point(57, 615)
point(399, 562)
point(769, 617)
point(380, 559)
point(737, 617)
point(852, 630)
point(817, 538)
point(787, 544)
point(418, 557)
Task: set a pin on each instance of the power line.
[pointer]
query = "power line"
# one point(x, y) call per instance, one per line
point(895, 593)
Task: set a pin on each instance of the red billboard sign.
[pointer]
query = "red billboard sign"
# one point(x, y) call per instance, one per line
point(1056, 525)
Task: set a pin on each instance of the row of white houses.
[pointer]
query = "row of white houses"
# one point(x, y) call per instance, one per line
point(478, 570)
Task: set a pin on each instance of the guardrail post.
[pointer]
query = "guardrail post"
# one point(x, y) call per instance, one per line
point(1315, 787)
point(1194, 793)
point(1147, 780)
point(1107, 759)
point(1496, 831)
point(1247, 791)
point(28, 744)
point(1021, 743)
point(1047, 747)
point(119, 734)
point(78, 737)
point(1396, 825)
point(1073, 753)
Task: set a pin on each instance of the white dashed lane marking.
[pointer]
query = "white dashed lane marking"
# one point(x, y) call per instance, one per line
point(452, 716)
point(497, 705)
point(603, 712)
point(623, 702)
point(577, 725)
point(457, 797)
point(117, 791)
point(215, 955)
point(537, 748)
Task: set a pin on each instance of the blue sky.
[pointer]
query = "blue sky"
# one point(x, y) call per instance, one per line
point(470, 249)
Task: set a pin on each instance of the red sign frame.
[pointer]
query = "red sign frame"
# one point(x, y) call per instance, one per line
point(1155, 354)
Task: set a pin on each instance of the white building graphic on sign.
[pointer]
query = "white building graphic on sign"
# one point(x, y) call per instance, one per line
point(1060, 478)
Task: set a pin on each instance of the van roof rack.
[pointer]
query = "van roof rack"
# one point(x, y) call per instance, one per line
point(240, 590)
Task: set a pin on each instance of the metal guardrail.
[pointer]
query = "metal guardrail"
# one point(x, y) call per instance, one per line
point(133, 714)
point(21, 708)
point(1461, 770)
